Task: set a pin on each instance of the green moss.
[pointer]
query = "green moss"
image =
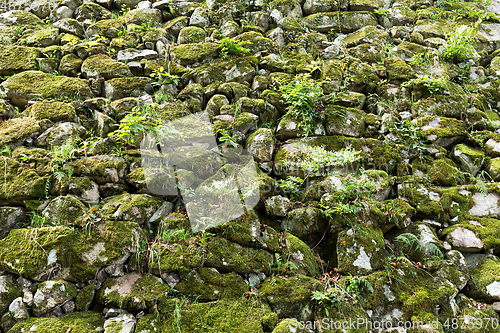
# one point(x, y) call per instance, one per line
point(70, 65)
point(52, 110)
point(16, 59)
point(30, 85)
point(66, 210)
point(227, 255)
point(195, 53)
point(85, 297)
point(131, 292)
point(101, 65)
point(207, 284)
point(483, 275)
point(177, 257)
point(78, 322)
point(219, 70)
point(13, 132)
point(299, 253)
point(399, 71)
point(223, 316)
point(100, 168)
point(192, 35)
point(445, 172)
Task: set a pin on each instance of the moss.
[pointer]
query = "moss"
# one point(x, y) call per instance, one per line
point(132, 292)
point(52, 110)
point(301, 255)
point(30, 85)
point(482, 276)
point(177, 257)
point(13, 132)
point(101, 65)
point(192, 35)
point(446, 127)
point(131, 207)
point(20, 182)
point(340, 21)
point(226, 255)
point(187, 54)
point(288, 296)
point(21, 18)
point(70, 65)
point(208, 284)
point(100, 168)
point(127, 87)
point(66, 210)
point(85, 297)
point(485, 315)
point(444, 172)
point(219, 70)
point(399, 71)
point(223, 316)
point(16, 59)
point(357, 246)
point(78, 322)
point(256, 42)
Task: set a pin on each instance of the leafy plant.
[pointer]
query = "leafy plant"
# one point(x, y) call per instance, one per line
point(226, 138)
point(162, 77)
point(231, 46)
point(334, 295)
point(37, 220)
point(291, 186)
point(282, 267)
point(460, 44)
point(432, 84)
point(302, 94)
point(410, 243)
point(317, 161)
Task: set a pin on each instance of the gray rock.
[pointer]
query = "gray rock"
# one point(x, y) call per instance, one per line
point(464, 240)
point(261, 145)
point(60, 133)
point(70, 26)
point(18, 309)
point(278, 206)
point(52, 294)
point(124, 323)
point(10, 217)
point(136, 55)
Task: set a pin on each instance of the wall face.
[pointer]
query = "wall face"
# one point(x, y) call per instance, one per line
point(249, 166)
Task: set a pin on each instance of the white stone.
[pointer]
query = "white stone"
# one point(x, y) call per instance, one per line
point(493, 289)
point(485, 205)
point(465, 240)
point(363, 259)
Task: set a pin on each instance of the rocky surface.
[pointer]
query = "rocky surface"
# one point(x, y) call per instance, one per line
point(249, 166)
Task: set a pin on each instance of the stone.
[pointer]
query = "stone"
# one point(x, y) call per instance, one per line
point(101, 65)
point(51, 294)
point(464, 240)
point(60, 133)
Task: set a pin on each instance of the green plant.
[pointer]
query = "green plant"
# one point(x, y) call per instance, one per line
point(302, 94)
point(334, 295)
point(231, 46)
point(203, 239)
point(317, 161)
point(227, 139)
point(460, 44)
point(62, 154)
point(175, 235)
point(6, 151)
point(291, 186)
point(410, 243)
point(408, 135)
point(162, 97)
point(140, 120)
point(37, 220)
point(282, 267)
point(432, 84)
point(162, 77)
point(478, 181)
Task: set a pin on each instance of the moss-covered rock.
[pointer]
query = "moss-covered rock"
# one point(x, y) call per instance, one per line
point(66, 211)
point(20, 183)
point(191, 34)
point(240, 315)
point(208, 284)
point(444, 172)
point(234, 70)
point(297, 252)
point(441, 131)
point(31, 85)
point(51, 294)
point(195, 53)
point(307, 223)
point(131, 207)
point(101, 168)
point(15, 132)
point(345, 121)
point(225, 255)
point(442, 106)
point(132, 292)
point(290, 297)
point(85, 297)
point(40, 38)
point(52, 110)
point(8, 292)
point(86, 322)
point(101, 65)
point(340, 21)
point(398, 70)
point(485, 280)
point(105, 28)
point(70, 65)
point(61, 253)
point(16, 59)
point(468, 159)
point(360, 250)
point(127, 87)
